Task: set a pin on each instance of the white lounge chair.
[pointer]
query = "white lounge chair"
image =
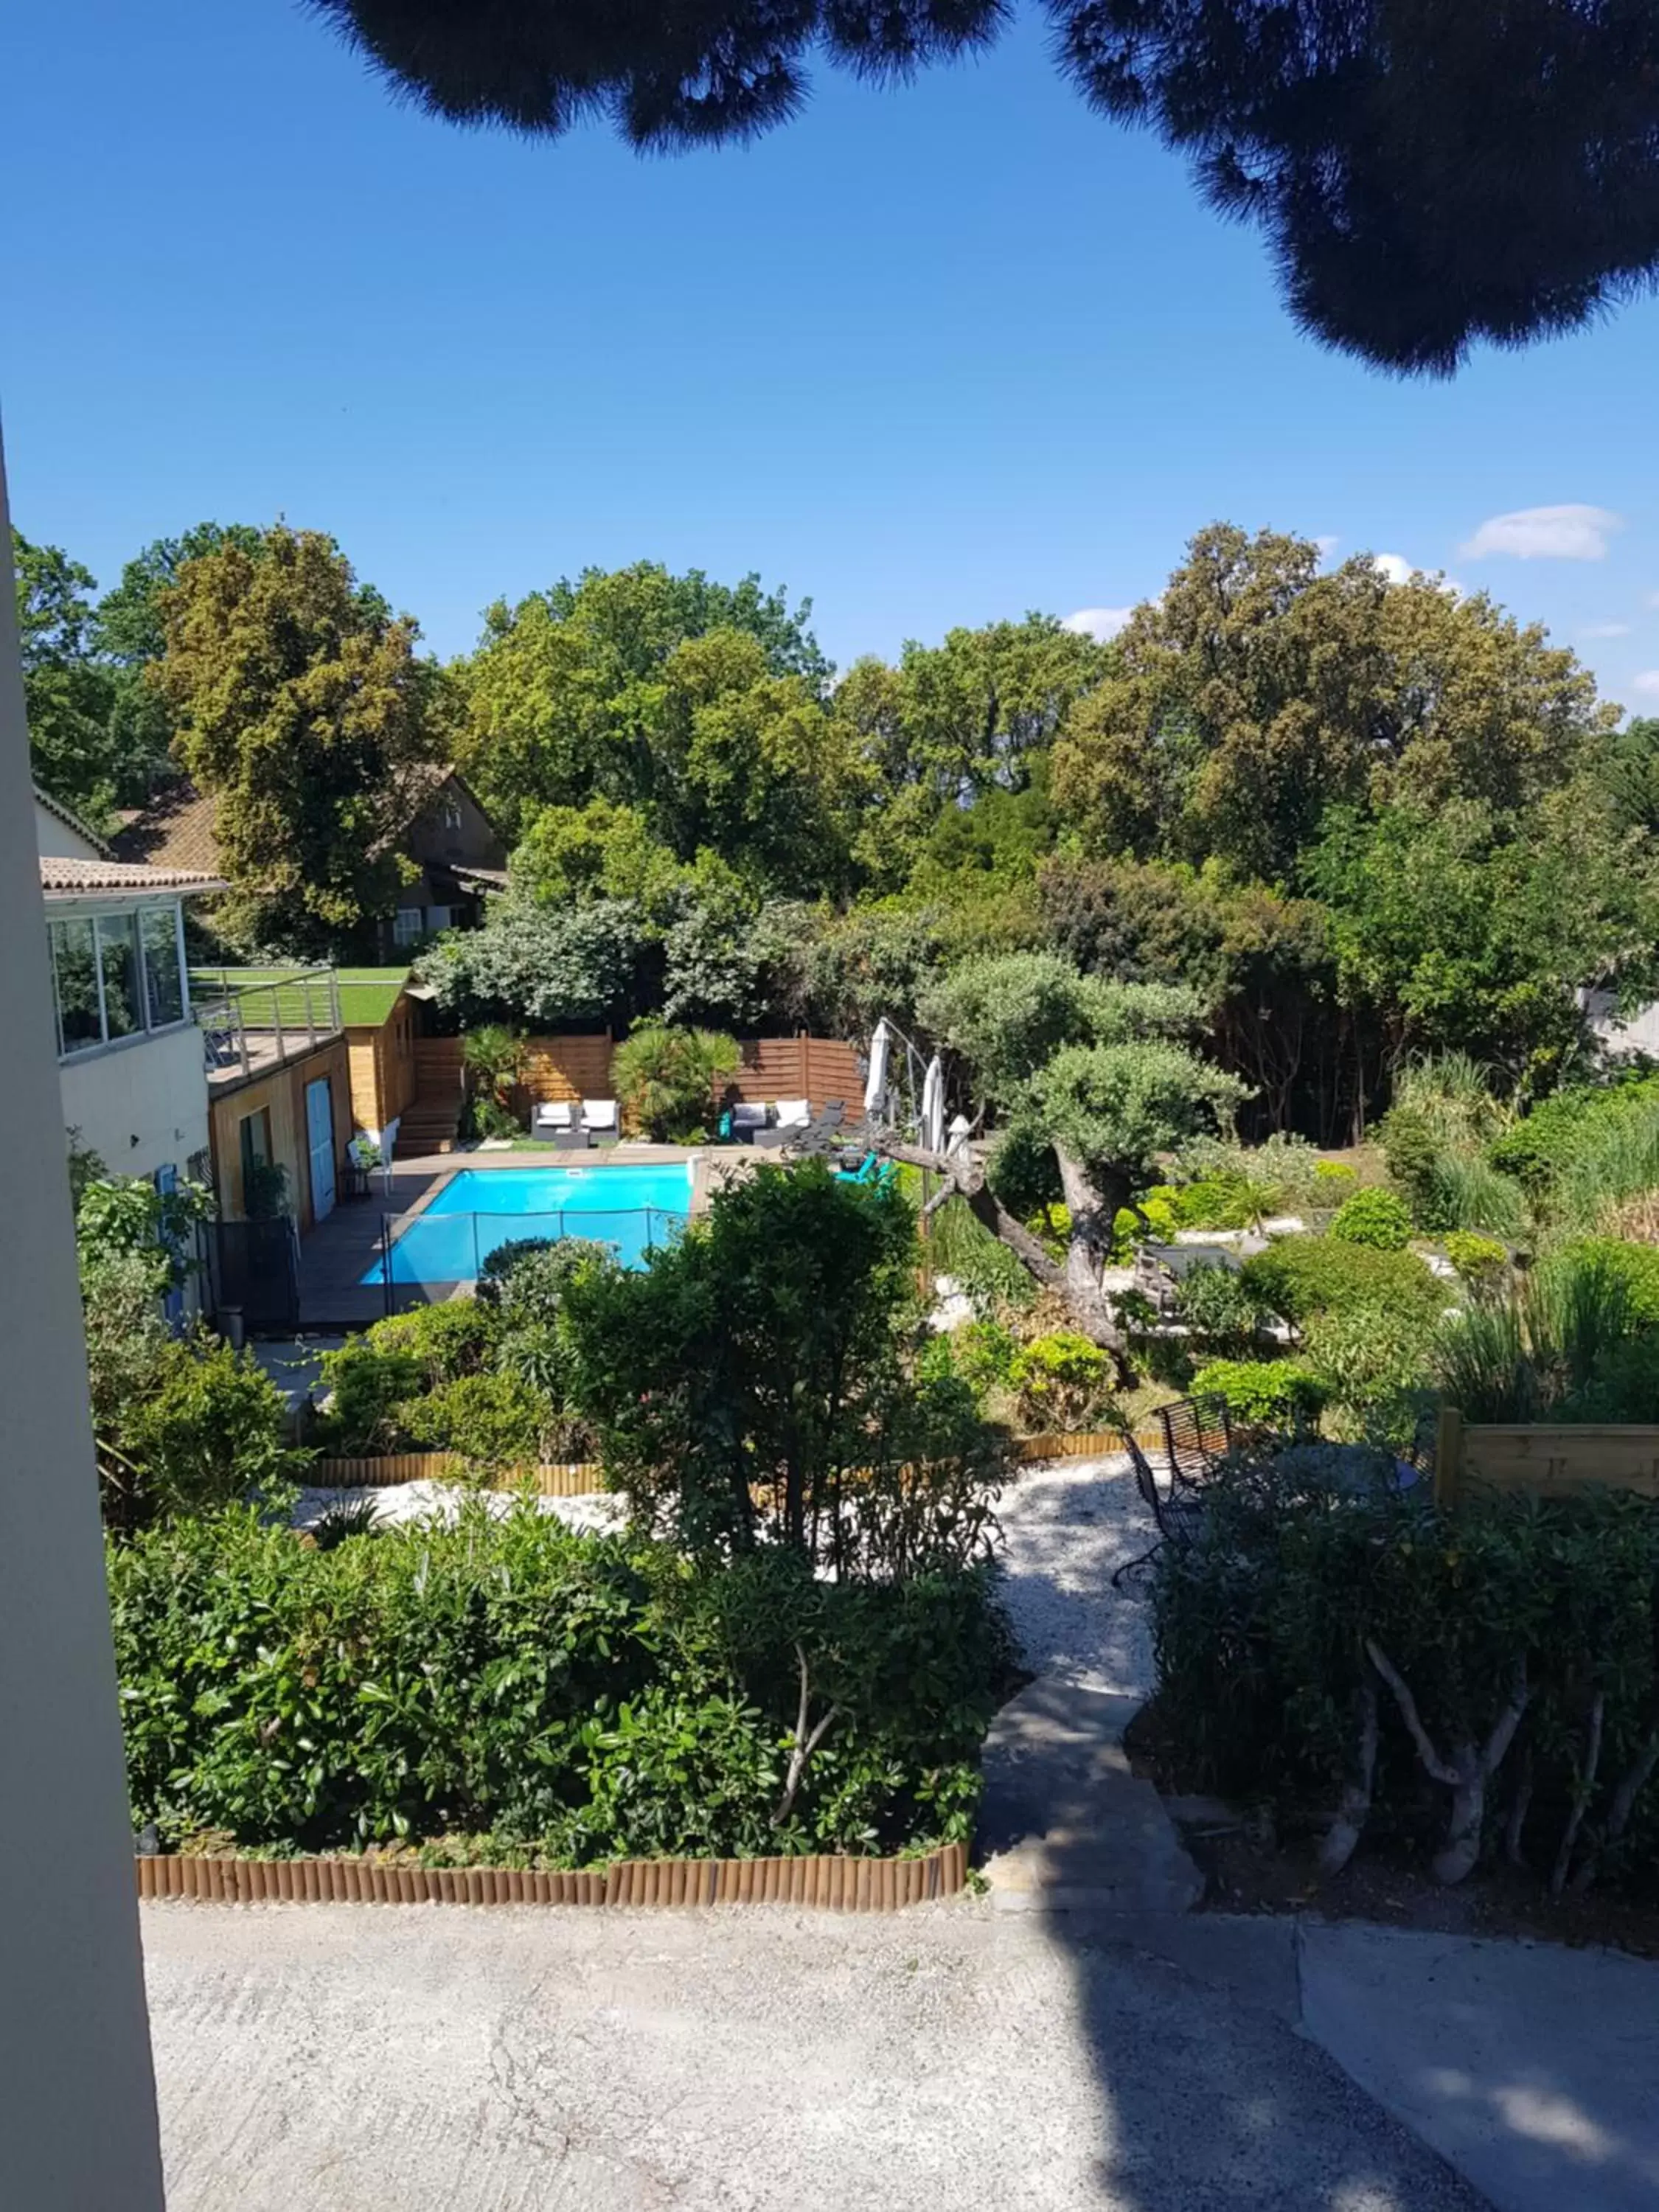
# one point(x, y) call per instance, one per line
point(599, 1118)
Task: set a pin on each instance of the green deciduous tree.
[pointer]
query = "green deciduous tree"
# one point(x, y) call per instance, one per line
point(756, 1384)
point(956, 723)
point(128, 632)
point(68, 693)
point(695, 704)
point(1256, 693)
point(299, 702)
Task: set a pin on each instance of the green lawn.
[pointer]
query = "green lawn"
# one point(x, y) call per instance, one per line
point(367, 994)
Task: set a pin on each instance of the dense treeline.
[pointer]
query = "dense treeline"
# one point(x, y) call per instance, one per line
point(1359, 819)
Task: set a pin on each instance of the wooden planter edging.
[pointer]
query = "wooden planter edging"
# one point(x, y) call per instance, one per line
point(566, 1479)
point(583, 1478)
point(836, 1885)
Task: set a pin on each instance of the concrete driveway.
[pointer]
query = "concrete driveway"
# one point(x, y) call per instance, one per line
point(317, 2058)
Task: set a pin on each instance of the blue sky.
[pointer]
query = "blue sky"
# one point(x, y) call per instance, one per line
point(932, 356)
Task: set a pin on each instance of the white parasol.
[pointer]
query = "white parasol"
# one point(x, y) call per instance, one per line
point(875, 1088)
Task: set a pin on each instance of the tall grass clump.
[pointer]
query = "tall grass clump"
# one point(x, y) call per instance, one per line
point(1616, 1160)
point(1564, 1342)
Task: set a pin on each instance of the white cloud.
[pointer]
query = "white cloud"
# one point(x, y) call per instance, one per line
point(1647, 683)
point(1547, 533)
point(1100, 623)
point(1605, 629)
point(1327, 544)
point(1395, 568)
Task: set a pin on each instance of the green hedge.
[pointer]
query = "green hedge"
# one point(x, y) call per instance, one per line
point(1298, 1277)
point(570, 1698)
point(1266, 1630)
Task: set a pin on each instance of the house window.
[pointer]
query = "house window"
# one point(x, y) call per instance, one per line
point(408, 925)
point(74, 970)
point(451, 814)
point(116, 975)
point(437, 917)
point(164, 973)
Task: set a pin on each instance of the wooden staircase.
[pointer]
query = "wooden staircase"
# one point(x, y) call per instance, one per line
point(432, 1119)
point(429, 1125)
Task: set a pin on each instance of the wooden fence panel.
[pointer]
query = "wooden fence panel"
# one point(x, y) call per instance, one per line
point(1543, 1462)
point(562, 1068)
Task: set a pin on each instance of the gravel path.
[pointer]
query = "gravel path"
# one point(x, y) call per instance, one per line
point(400, 1501)
point(1067, 1526)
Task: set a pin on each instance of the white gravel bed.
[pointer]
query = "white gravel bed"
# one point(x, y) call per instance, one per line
point(1067, 1526)
point(400, 1501)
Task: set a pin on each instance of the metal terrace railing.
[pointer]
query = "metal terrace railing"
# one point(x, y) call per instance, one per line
point(252, 1019)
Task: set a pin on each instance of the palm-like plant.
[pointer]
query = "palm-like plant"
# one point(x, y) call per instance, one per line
point(665, 1078)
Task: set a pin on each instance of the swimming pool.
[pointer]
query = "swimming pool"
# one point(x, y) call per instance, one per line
point(632, 1208)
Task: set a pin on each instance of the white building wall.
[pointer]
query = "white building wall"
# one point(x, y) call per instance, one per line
point(56, 841)
point(140, 1106)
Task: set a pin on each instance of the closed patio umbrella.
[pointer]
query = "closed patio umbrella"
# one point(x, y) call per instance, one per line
point(932, 1107)
point(875, 1088)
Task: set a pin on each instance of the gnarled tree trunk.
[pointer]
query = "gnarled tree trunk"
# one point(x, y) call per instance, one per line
point(1077, 1284)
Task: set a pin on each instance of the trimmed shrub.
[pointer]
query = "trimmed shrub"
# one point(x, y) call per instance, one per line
point(498, 1419)
point(1297, 1277)
point(210, 1428)
point(1379, 1220)
point(531, 1694)
point(1480, 1260)
point(1270, 1627)
point(1060, 1382)
point(1219, 1306)
point(1267, 1394)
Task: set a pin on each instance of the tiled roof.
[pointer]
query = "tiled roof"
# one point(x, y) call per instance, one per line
point(175, 830)
point(67, 878)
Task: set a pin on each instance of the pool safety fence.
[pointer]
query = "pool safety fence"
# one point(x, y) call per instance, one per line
point(420, 1249)
point(820, 1883)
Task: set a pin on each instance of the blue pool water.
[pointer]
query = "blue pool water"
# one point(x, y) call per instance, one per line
point(632, 1209)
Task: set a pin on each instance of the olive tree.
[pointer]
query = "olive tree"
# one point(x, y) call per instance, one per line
point(1101, 1074)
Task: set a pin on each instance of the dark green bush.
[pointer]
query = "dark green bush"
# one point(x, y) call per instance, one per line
point(1380, 1219)
point(1266, 1630)
point(495, 1420)
point(1297, 1277)
point(571, 1698)
point(209, 1428)
point(762, 1380)
point(1219, 1306)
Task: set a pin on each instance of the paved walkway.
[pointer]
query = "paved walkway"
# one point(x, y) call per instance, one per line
point(333, 2058)
point(1096, 2048)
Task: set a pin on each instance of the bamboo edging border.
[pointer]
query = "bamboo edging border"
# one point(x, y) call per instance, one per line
point(828, 1884)
point(583, 1478)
